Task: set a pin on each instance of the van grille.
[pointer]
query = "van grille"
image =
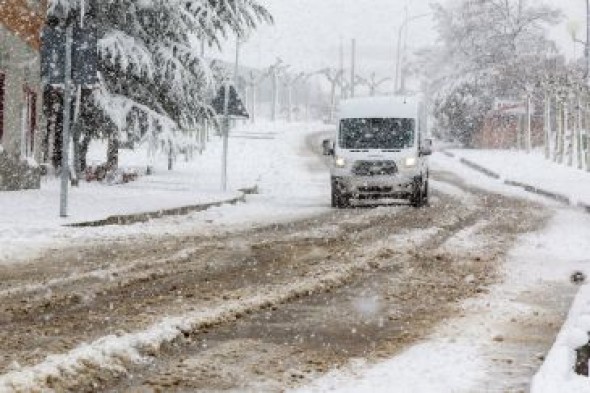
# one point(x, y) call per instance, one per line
point(374, 168)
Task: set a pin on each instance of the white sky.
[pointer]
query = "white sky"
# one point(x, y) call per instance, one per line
point(307, 33)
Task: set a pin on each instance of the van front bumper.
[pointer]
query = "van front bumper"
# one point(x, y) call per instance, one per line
point(376, 187)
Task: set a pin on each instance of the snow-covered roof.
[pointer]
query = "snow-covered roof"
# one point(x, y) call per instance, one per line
point(379, 107)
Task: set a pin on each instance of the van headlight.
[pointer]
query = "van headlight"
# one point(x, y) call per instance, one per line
point(340, 162)
point(411, 162)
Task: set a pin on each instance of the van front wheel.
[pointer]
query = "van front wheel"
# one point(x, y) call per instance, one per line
point(336, 195)
point(419, 194)
point(338, 199)
point(335, 198)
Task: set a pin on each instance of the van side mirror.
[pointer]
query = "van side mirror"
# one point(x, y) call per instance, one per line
point(328, 147)
point(426, 148)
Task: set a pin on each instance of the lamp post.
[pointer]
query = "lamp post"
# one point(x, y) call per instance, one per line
point(398, 70)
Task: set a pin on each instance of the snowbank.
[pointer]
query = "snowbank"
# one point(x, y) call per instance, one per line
point(557, 373)
point(534, 170)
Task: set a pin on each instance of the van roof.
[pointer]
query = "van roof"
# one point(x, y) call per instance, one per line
point(379, 107)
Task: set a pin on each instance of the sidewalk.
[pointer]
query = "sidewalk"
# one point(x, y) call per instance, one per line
point(567, 234)
point(30, 219)
point(533, 173)
point(270, 156)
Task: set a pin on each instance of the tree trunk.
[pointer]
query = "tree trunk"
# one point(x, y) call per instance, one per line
point(547, 126)
point(113, 151)
point(275, 95)
point(253, 105)
point(290, 103)
point(557, 136)
point(76, 141)
point(84, 145)
point(565, 147)
point(170, 158)
point(578, 134)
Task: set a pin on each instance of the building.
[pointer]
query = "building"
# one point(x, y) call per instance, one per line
point(20, 93)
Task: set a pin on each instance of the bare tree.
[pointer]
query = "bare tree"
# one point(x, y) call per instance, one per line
point(372, 83)
point(252, 82)
point(334, 78)
point(275, 71)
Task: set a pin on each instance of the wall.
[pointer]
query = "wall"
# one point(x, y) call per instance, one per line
point(501, 132)
point(20, 64)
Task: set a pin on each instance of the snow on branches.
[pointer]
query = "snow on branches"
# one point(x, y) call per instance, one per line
point(489, 49)
point(153, 81)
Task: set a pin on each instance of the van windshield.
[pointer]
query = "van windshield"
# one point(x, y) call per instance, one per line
point(385, 134)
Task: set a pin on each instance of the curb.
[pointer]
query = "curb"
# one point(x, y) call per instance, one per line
point(480, 168)
point(539, 191)
point(563, 199)
point(128, 219)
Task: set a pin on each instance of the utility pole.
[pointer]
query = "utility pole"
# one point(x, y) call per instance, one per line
point(398, 66)
point(341, 69)
point(65, 159)
point(225, 138)
point(353, 68)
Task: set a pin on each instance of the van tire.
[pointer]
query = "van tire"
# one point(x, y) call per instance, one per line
point(418, 195)
point(336, 195)
point(339, 200)
point(344, 201)
point(335, 198)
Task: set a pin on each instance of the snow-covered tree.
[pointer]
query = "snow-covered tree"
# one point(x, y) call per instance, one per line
point(488, 49)
point(154, 86)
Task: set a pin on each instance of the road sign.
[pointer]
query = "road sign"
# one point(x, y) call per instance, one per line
point(510, 107)
point(53, 55)
point(235, 106)
point(84, 55)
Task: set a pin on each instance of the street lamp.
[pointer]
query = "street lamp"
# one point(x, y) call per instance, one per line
point(398, 71)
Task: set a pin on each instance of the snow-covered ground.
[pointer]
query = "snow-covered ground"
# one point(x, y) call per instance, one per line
point(534, 170)
point(464, 354)
point(566, 249)
point(271, 156)
point(293, 184)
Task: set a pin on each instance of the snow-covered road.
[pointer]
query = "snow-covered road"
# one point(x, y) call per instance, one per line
point(260, 309)
point(275, 293)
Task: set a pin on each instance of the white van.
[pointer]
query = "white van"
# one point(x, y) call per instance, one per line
point(380, 151)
